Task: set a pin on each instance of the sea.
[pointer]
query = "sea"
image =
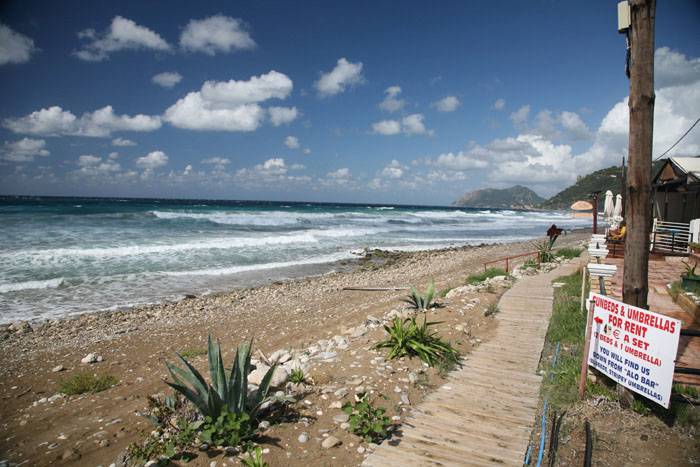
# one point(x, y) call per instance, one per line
point(64, 256)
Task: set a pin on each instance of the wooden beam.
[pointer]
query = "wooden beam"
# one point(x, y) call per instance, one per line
point(641, 104)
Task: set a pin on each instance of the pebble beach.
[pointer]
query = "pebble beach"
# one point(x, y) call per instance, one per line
point(315, 323)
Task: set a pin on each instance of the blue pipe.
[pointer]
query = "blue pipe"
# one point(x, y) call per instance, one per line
point(544, 413)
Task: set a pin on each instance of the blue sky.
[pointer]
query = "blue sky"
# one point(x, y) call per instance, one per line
point(385, 102)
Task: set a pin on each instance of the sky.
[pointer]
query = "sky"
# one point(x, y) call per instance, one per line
point(406, 102)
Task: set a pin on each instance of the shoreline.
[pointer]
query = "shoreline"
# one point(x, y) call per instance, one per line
point(297, 316)
point(256, 278)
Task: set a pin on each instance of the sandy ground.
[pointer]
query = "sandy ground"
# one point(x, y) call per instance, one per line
point(93, 429)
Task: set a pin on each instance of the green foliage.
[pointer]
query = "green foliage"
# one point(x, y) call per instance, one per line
point(229, 392)
point(254, 458)
point(687, 391)
point(420, 302)
point(546, 255)
point(189, 353)
point(412, 339)
point(489, 273)
point(601, 180)
point(569, 253)
point(367, 421)
point(297, 376)
point(228, 429)
point(690, 270)
point(444, 292)
point(86, 382)
point(639, 407)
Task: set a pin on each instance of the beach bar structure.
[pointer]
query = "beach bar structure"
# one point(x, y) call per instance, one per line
point(677, 190)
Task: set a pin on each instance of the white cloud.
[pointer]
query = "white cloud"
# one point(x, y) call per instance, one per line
point(232, 105)
point(386, 127)
point(282, 115)
point(394, 170)
point(521, 115)
point(219, 163)
point(673, 69)
point(410, 125)
point(292, 142)
point(122, 142)
point(574, 126)
point(499, 104)
point(88, 160)
point(216, 34)
point(447, 104)
point(55, 121)
point(339, 174)
point(460, 162)
point(546, 125)
point(307, 151)
point(122, 34)
point(390, 102)
point(15, 47)
point(343, 75)
point(23, 150)
point(167, 79)
point(92, 166)
point(153, 160)
point(413, 125)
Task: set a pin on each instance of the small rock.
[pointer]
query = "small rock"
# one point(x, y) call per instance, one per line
point(203, 447)
point(361, 450)
point(412, 378)
point(58, 368)
point(341, 418)
point(89, 358)
point(303, 438)
point(335, 405)
point(264, 425)
point(340, 393)
point(330, 442)
point(70, 455)
point(355, 381)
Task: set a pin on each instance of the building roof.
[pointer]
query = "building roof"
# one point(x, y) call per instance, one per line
point(680, 172)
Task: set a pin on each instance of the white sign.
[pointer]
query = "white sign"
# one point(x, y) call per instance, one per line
point(635, 347)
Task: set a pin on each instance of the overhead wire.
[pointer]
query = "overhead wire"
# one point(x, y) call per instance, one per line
point(679, 140)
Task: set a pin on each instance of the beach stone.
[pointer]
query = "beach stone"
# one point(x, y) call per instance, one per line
point(356, 381)
point(340, 393)
point(359, 331)
point(20, 327)
point(303, 438)
point(326, 355)
point(335, 405)
point(70, 455)
point(264, 425)
point(330, 442)
point(89, 358)
point(58, 368)
point(279, 378)
point(341, 418)
point(412, 378)
point(256, 376)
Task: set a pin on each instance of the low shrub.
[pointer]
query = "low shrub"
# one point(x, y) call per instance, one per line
point(569, 253)
point(87, 382)
point(410, 338)
point(367, 421)
point(421, 302)
point(488, 274)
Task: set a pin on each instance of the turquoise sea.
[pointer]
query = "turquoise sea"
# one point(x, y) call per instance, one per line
point(65, 256)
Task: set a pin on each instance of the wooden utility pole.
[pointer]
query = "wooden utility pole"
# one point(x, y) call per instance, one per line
point(641, 104)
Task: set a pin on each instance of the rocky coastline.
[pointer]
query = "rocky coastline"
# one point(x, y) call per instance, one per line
point(314, 324)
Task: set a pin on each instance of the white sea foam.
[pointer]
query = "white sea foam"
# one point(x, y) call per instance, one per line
point(262, 266)
point(28, 285)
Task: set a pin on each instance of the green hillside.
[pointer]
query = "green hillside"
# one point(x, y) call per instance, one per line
point(515, 197)
point(601, 180)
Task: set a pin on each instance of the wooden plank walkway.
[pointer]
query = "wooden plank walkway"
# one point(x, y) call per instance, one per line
point(484, 412)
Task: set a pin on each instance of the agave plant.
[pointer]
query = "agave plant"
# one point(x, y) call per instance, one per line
point(231, 392)
point(419, 301)
point(410, 338)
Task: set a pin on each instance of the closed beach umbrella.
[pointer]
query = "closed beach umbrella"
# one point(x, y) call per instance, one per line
point(609, 205)
point(617, 212)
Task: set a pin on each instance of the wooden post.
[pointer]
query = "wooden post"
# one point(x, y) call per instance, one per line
point(641, 104)
point(595, 214)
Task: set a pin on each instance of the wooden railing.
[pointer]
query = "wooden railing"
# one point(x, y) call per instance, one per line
point(511, 257)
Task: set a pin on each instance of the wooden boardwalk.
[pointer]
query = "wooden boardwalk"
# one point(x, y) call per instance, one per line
point(484, 412)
